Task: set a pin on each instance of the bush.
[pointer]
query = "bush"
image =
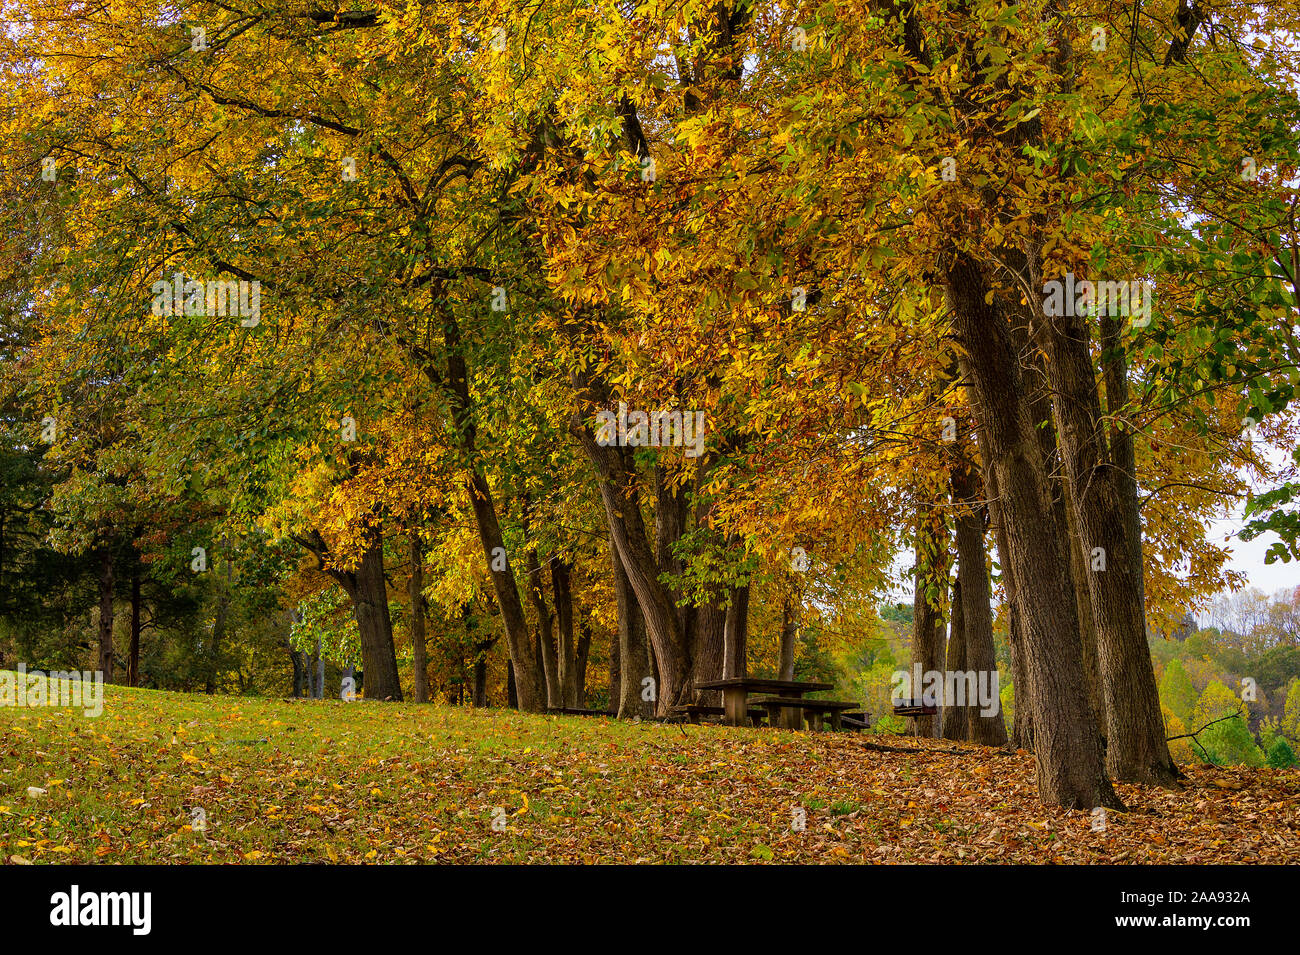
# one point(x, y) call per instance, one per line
point(1280, 755)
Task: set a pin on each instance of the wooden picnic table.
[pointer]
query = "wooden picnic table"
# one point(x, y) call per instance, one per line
point(779, 709)
point(735, 696)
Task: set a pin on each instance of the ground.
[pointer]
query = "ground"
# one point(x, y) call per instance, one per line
point(170, 777)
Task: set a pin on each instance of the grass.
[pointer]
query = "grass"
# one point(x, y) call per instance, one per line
point(328, 781)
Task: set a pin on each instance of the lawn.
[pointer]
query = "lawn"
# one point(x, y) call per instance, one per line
point(170, 777)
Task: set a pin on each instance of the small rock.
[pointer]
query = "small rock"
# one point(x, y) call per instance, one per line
point(34, 791)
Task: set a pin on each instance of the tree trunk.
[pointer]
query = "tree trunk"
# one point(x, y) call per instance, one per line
point(956, 719)
point(1022, 723)
point(318, 668)
point(615, 671)
point(567, 647)
point(219, 624)
point(133, 661)
point(1069, 758)
point(368, 590)
point(926, 621)
point(977, 610)
point(1083, 608)
point(790, 607)
point(620, 495)
point(480, 680)
point(545, 639)
point(295, 659)
point(584, 654)
point(530, 685)
point(1136, 750)
point(106, 613)
point(633, 650)
point(736, 635)
point(419, 645)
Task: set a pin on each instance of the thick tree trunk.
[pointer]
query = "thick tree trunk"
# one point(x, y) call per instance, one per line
point(620, 495)
point(419, 644)
point(567, 647)
point(133, 660)
point(956, 719)
point(1076, 581)
point(633, 649)
point(480, 681)
point(106, 613)
point(615, 671)
point(790, 607)
point(736, 635)
point(317, 673)
point(1136, 750)
point(584, 655)
point(296, 660)
point(1069, 758)
point(977, 613)
point(1083, 607)
point(530, 685)
point(368, 590)
point(926, 622)
point(1022, 723)
point(219, 624)
point(707, 630)
point(545, 638)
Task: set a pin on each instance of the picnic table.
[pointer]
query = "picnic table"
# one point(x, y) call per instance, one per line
point(735, 698)
point(779, 709)
point(914, 708)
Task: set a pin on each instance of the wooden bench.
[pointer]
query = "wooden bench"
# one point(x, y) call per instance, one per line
point(860, 720)
point(736, 690)
point(693, 712)
point(914, 708)
point(811, 710)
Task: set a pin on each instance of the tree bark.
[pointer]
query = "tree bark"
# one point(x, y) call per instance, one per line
point(1069, 758)
point(620, 494)
point(736, 635)
point(133, 660)
point(106, 612)
point(368, 591)
point(790, 607)
point(419, 645)
point(1136, 750)
point(567, 647)
point(530, 683)
point(583, 655)
point(633, 649)
point(977, 613)
point(545, 639)
point(1022, 722)
point(956, 719)
point(926, 621)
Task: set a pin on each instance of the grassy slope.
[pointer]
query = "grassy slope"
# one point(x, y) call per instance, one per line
point(310, 781)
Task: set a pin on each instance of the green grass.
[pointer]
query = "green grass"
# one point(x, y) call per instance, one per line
point(326, 781)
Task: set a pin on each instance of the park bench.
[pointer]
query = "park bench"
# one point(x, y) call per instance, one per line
point(811, 710)
point(693, 712)
point(914, 708)
point(736, 690)
point(855, 720)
